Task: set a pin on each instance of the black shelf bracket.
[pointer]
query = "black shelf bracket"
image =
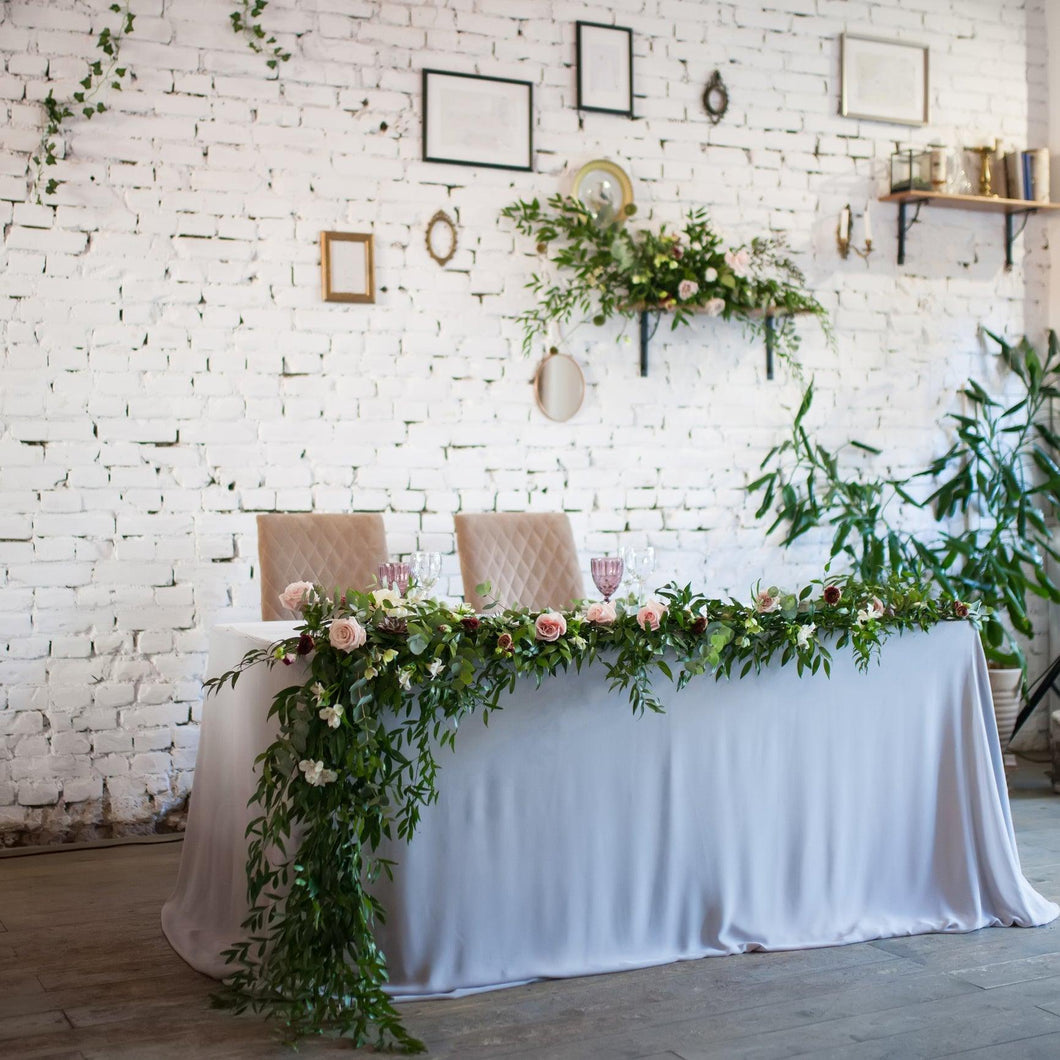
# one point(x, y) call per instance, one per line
point(770, 340)
point(903, 226)
point(646, 333)
point(1011, 232)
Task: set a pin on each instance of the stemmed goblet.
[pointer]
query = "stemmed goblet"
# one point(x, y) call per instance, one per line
point(640, 562)
point(607, 574)
point(394, 576)
point(426, 567)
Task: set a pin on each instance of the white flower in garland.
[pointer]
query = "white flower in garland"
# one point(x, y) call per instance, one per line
point(804, 638)
point(405, 678)
point(388, 656)
point(436, 667)
point(320, 693)
point(332, 715)
point(316, 774)
point(871, 611)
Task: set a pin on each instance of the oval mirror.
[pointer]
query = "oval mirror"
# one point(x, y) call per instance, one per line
point(604, 190)
point(441, 237)
point(559, 386)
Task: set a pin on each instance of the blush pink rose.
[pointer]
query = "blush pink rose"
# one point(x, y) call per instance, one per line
point(651, 614)
point(603, 614)
point(738, 260)
point(346, 634)
point(714, 307)
point(550, 626)
point(294, 595)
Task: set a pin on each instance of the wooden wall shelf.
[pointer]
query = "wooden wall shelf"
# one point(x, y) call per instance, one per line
point(768, 315)
point(1011, 208)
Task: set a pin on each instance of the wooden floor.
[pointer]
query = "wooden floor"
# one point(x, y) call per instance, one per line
point(86, 972)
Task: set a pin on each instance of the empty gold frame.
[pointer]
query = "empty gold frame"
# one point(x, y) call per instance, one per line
point(347, 267)
point(441, 237)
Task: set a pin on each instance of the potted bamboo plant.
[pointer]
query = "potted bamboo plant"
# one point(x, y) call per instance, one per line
point(1000, 479)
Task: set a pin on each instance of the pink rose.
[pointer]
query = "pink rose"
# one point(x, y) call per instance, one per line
point(651, 614)
point(766, 603)
point(550, 626)
point(294, 595)
point(738, 261)
point(603, 614)
point(687, 288)
point(347, 634)
point(714, 307)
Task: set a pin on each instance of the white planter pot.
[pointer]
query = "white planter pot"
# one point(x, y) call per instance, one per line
point(1005, 687)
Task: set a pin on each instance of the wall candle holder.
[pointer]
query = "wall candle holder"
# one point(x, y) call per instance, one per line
point(843, 234)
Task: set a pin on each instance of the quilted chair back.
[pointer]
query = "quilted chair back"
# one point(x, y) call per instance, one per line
point(528, 558)
point(336, 551)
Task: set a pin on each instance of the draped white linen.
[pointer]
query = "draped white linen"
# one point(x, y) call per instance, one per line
point(571, 837)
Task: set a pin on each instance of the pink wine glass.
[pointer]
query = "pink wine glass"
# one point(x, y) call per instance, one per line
point(607, 574)
point(395, 576)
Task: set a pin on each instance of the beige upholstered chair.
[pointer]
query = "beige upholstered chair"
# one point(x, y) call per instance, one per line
point(528, 558)
point(335, 551)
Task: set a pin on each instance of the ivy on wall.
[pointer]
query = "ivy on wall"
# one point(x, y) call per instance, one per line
point(107, 72)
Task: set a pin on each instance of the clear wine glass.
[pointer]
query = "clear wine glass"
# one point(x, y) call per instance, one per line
point(426, 567)
point(607, 574)
point(394, 576)
point(641, 564)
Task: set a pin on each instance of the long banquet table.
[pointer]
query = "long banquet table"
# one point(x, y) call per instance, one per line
point(571, 837)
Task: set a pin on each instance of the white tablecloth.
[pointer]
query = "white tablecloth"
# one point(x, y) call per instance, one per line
point(571, 837)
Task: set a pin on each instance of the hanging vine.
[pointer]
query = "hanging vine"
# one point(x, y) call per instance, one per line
point(103, 73)
point(245, 21)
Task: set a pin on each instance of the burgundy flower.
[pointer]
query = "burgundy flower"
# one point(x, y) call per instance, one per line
point(832, 594)
point(505, 643)
point(470, 623)
point(699, 625)
point(960, 609)
point(288, 659)
point(305, 644)
point(677, 252)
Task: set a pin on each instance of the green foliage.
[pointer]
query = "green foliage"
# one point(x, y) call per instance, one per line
point(245, 21)
point(1001, 474)
point(354, 759)
point(102, 74)
point(611, 270)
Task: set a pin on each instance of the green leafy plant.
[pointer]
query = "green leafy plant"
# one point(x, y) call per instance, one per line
point(246, 21)
point(103, 73)
point(1000, 475)
point(611, 270)
point(388, 680)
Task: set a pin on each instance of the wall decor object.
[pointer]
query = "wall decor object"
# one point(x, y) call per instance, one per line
point(470, 120)
point(715, 98)
point(605, 68)
point(346, 267)
point(441, 237)
point(604, 189)
point(883, 80)
point(559, 385)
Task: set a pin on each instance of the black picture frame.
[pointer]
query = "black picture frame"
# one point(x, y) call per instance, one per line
point(465, 125)
point(605, 89)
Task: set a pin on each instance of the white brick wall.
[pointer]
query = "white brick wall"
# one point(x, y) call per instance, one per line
point(169, 369)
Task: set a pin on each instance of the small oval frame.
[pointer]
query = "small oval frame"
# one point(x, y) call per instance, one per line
point(443, 219)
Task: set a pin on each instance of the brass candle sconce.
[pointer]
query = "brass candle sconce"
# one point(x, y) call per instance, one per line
point(844, 234)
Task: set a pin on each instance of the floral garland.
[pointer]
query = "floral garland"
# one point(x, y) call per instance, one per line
point(611, 270)
point(389, 680)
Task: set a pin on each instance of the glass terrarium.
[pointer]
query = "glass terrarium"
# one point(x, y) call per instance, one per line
point(911, 170)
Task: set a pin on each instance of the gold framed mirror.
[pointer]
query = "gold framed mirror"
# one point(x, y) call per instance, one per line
point(604, 189)
point(559, 386)
point(441, 237)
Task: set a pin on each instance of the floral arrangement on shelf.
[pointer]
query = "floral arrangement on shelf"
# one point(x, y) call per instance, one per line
point(610, 270)
point(385, 681)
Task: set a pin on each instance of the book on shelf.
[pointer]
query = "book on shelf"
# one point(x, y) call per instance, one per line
point(1027, 175)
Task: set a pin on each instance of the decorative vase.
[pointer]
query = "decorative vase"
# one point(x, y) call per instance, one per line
point(1006, 687)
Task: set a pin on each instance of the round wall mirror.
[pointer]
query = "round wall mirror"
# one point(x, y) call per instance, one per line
point(559, 386)
point(604, 190)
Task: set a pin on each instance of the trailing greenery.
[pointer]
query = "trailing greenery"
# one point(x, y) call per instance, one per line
point(1001, 475)
point(386, 682)
point(246, 21)
point(103, 73)
point(610, 270)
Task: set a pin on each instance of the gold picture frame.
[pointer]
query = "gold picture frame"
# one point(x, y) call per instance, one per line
point(347, 267)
